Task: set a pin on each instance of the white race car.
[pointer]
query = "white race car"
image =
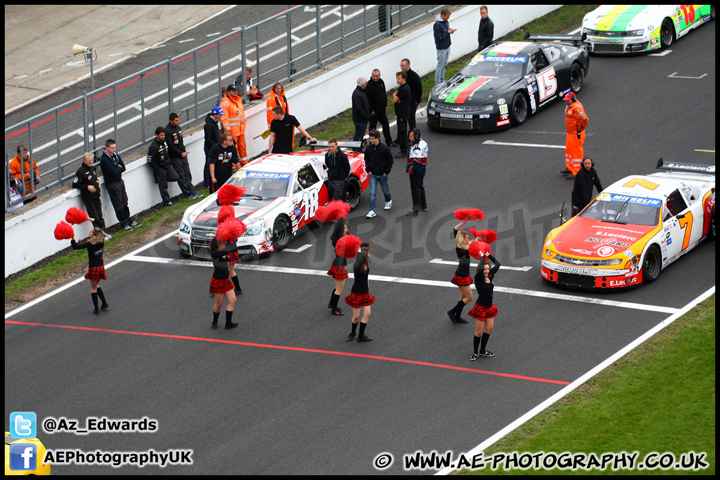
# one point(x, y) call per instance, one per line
point(283, 192)
point(639, 28)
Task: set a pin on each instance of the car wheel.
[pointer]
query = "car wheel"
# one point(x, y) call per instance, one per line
point(576, 78)
point(651, 265)
point(519, 109)
point(667, 33)
point(352, 192)
point(711, 230)
point(712, 12)
point(281, 232)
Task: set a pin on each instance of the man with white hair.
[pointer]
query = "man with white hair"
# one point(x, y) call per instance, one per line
point(360, 109)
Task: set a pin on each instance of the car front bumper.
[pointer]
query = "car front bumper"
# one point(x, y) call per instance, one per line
point(583, 277)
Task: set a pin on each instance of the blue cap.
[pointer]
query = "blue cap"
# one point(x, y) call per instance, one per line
point(217, 110)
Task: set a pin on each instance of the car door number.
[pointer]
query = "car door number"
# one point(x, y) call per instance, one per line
point(686, 223)
point(309, 204)
point(547, 84)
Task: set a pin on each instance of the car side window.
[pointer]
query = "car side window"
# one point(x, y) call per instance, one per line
point(538, 60)
point(307, 177)
point(675, 203)
point(553, 53)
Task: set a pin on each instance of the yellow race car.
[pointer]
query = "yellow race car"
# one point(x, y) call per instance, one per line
point(22, 454)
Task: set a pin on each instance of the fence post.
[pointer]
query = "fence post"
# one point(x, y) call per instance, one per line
point(289, 46)
point(219, 64)
point(170, 86)
point(318, 31)
point(142, 107)
point(365, 23)
point(388, 20)
point(257, 57)
point(195, 82)
point(243, 61)
point(342, 32)
point(57, 143)
point(86, 130)
point(30, 161)
point(400, 16)
point(115, 109)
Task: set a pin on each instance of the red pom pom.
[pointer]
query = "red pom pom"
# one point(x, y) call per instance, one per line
point(347, 246)
point(63, 231)
point(76, 216)
point(231, 230)
point(487, 235)
point(226, 213)
point(469, 214)
point(229, 194)
point(332, 211)
point(474, 249)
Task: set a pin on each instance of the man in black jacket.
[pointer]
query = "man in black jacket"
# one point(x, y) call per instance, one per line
point(223, 160)
point(112, 167)
point(378, 163)
point(178, 156)
point(486, 30)
point(212, 138)
point(162, 166)
point(377, 97)
point(360, 109)
point(338, 170)
point(582, 191)
point(86, 180)
point(402, 99)
point(413, 81)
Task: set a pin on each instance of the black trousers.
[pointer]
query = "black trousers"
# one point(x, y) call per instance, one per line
point(182, 167)
point(411, 115)
point(417, 190)
point(207, 181)
point(402, 136)
point(163, 176)
point(119, 199)
point(381, 116)
point(335, 189)
point(94, 210)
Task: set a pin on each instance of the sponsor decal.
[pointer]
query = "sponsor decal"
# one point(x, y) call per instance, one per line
point(581, 251)
point(691, 168)
point(505, 116)
point(607, 241)
point(591, 272)
point(503, 109)
point(484, 115)
point(628, 253)
point(497, 58)
point(669, 241)
point(605, 251)
point(501, 101)
point(452, 115)
point(667, 235)
point(268, 175)
point(502, 122)
point(613, 197)
point(622, 283)
point(465, 90)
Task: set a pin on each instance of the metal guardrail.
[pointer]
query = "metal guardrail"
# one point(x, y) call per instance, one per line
point(130, 109)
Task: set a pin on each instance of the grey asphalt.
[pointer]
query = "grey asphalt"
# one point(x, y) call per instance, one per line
point(250, 408)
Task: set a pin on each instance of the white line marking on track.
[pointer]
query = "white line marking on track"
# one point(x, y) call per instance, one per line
point(414, 281)
point(440, 261)
point(672, 75)
point(535, 145)
point(44, 71)
point(213, 34)
point(114, 54)
point(299, 249)
point(188, 40)
point(661, 54)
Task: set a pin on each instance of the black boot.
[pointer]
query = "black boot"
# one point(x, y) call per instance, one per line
point(352, 332)
point(362, 337)
point(238, 290)
point(94, 299)
point(215, 320)
point(332, 298)
point(102, 298)
point(334, 301)
point(228, 321)
point(459, 309)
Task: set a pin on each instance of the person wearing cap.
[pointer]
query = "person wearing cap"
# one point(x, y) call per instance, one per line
point(360, 109)
point(575, 122)
point(234, 120)
point(212, 138)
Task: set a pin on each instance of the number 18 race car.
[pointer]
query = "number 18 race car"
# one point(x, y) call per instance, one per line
point(507, 82)
point(633, 229)
point(283, 191)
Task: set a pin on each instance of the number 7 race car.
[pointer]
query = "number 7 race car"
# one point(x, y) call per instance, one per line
point(283, 191)
point(633, 229)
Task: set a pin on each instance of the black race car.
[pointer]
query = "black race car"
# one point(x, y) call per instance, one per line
point(507, 82)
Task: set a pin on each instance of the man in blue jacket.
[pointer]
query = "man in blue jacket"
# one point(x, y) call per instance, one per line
point(442, 32)
point(112, 167)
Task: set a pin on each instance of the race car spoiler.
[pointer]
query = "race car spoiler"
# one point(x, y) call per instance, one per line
point(320, 144)
point(685, 167)
point(575, 39)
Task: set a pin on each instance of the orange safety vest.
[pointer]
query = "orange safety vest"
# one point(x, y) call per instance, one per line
point(15, 171)
point(275, 101)
point(234, 118)
point(575, 117)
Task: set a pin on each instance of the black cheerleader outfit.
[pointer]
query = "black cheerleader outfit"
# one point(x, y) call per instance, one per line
point(220, 282)
point(484, 306)
point(96, 267)
point(337, 269)
point(462, 276)
point(233, 256)
point(360, 292)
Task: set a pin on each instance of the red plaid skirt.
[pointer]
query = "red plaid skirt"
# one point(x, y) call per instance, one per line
point(462, 281)
point(96, 273)
point(233, 257)
point(221, 286)
point(357, 300)
point(338, 273)
point(481, 313)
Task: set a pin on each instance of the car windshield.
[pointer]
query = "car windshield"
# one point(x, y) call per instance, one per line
point(263, 184)
point(623, 209)
point(495, 66)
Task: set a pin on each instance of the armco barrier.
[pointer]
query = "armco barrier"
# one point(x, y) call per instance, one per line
point(29, 236)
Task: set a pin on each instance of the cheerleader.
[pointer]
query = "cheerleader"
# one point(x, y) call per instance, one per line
point(337, 269)
point(233, 258)
point(221, 285)
point(96, 267)
point(484, 311)
point(360, 298)
point(462, 276)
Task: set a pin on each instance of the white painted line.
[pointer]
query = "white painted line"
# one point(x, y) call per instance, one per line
point(114, 54)
point(534, 145)
point(440, 261)
point(672, 75)
point(415, 281)
point(298, 250)
point(45, 71)
point(583, 379)
point(213, 34)
point(158, 46)
point(21, 76)
point(188, 40)
point(661, 54)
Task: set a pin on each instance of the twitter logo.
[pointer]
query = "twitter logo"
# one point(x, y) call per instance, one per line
point(23, 425)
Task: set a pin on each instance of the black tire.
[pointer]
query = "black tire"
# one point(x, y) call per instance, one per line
point(712, 12)
point(352, 192)
point(281, 232)
point(577, 77)
point(667, 33)
point(652, 263)
point(711, 230)
point(519, 109)
point(184, 255)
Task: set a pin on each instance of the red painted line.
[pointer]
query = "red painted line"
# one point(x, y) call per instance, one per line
point(296, 349)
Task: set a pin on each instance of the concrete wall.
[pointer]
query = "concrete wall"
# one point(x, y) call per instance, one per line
point(29, 236)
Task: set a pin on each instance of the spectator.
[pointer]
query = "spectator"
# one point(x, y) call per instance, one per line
point(234, 120)
point(402, 99)
point(377, 98)
point(378, 163)
point(178, 156)
point(442, 32)
point(23, 173)
point(276, 98)
point(14, 195)
point(86, 180)
point(413, 81)
point(360, 109)
point(338, 170)
point(223, 160)
point(252, 91)
point(416, 165)
point(486, 30)
point(162, 166)
point(212, 138)
point(281, 130)
point(582, 192)
point(112, 167)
